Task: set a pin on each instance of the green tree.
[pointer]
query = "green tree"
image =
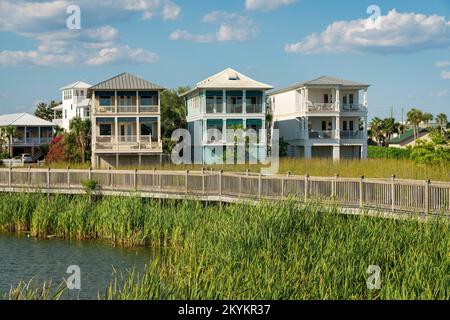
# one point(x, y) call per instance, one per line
point(426, 118)
point(11, 133)
point(376, 129)
point(173, 115)
point(80, 130)
point(388, 128)
point(441, 120)
point(415, 117)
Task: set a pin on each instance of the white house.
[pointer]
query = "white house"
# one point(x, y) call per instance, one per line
point(226, 100)
point(31, 133)
point(324, 117)
point(74, 104)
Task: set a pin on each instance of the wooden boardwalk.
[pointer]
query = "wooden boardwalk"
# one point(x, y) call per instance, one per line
point(396, 195)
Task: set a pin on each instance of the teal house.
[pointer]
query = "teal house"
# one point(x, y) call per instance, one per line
point(227, 100)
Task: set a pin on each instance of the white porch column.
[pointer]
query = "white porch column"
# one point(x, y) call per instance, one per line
point(308, 152)
point(159, 130)
point(338, 98)
point(264, 106)
point(365, 128)
point(366, 98)
point(39, 135)
point(364, 151)
point(336, 153)
point(116, 131)
point(138, 130)
point(25, 134)
point(205, 131)
point(115, 101)
point(338, 127)
point(224, 101)
point(244, 101)
point(224, 130)
point(138, 104)
point(306, 128)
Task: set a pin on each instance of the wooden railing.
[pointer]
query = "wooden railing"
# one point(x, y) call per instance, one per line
point(386, 194)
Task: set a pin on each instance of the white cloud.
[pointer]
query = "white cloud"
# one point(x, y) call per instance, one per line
point(445, 75)
point(266, 5)
point(122, 54)
point(95, 43)
point(171, 11)
point(441, 64)
point(393, 33)
point(231, 27)
point(186, 35)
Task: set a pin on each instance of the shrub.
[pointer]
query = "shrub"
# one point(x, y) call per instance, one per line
point(388, 153)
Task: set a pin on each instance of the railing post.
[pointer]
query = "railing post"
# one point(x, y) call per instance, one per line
point(186, 176)
point(135, 178)
point(90, 173)
point(29, 176)
point(427, 196)
point(220, 183)
point(48, 178)
point(68, 177)
point(361, 192)
point(334, 186)
point(306, 187)
point(393, 192)
point(9, 176)
point(203, 181)
point(109, 177)
point(259, 185)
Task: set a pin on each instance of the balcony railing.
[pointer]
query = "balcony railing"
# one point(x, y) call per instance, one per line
point(320, 107)
point(353, 107)
point(214, 108)
point(105, 109)
point(127, 143)
point(234, 108)
point(32, 141)
point(253, 108)
point(148, 108)
point(127, 109)
point(352, 135)
point(326, 134)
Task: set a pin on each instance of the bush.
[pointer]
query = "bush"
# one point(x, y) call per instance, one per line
point(388, 153)
point(90, 185)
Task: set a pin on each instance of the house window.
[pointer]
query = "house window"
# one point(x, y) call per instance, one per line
point(350, 97)
point(104, 101)
point(324, 125)
point(65, 114)
point(344, 99)
point(351, 125)
point(344, 125)
point(325, 98)
point(78, 112)
point(87, 112)
point(105, 129)
point(125, 101)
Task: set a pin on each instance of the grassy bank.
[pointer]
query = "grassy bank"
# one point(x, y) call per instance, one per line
point(270, 251)
point(371, 168)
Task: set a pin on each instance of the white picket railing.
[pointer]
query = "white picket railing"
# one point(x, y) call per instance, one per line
point(387, 194)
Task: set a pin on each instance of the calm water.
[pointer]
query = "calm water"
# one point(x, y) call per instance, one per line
point(22, 257)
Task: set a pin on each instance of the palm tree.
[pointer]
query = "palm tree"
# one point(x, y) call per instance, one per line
point(414, 117)
point(426, 118)
point(389, 127)
point(442, 121)
point(81, 130)
point(376, 128)
point(11, 133)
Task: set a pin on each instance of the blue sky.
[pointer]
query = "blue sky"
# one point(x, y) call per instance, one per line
point(404, 54)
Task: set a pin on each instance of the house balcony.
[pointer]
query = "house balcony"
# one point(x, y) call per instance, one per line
point(33, 141)
point(353, 107)
point(321, 134)
point(320, 107)
point(358, 135)
point(130, 143)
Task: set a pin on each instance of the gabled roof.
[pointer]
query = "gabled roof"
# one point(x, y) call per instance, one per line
point(406, 135)
point(23, 119)
point(229, 78)
point(126, 81)
point(76, 85)
point(322, 81)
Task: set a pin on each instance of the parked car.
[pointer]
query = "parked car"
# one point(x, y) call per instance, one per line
point(26, 158)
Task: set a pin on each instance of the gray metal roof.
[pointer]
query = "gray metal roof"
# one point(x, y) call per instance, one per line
point(23, 119)
point(322, 81)
point(126, 81)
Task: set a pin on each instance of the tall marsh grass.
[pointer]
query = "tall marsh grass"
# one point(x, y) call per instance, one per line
point(278, 250)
